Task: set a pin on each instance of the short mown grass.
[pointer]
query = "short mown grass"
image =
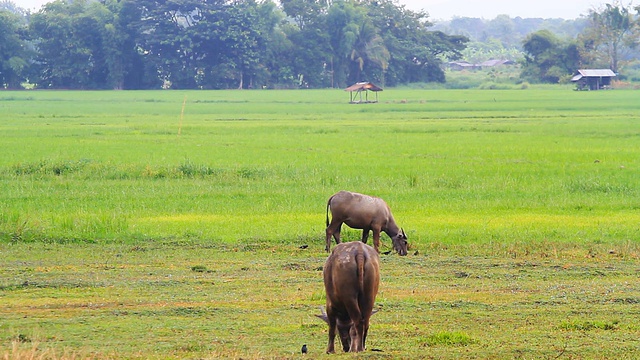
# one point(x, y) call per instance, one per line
point(182, 299)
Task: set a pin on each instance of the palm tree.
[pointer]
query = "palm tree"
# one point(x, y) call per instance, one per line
point(369, 47)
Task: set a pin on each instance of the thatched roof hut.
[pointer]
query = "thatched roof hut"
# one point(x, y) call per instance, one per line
point(356, 90)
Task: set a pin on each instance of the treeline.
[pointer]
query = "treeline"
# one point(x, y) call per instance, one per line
point(510, 31)
point(502, 37)
point(609, 41)
point(219, 44)
point(551, 50)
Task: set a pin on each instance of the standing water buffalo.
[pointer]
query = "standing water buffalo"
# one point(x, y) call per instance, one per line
point(364, 212)
point(351, 278)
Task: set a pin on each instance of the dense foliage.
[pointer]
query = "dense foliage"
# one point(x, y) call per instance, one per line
point(611, 33)
point(216, 44)
point(551, 50)
point(13, 53)
point(549, 59)
point(222, 44)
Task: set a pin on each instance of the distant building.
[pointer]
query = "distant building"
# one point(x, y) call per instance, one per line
point(494, 63)
point(463, 65)
point(593, 79)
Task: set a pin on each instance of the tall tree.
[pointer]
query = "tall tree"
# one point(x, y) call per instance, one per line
point(14, 54)
point(343, 26)
point(309, 59)
point(243, 42)
point(212, 44)
point(502, 27)
point(548, 59)
point(167, 38)
point(369, 56)
point(232, 40)
point(304, 12)
point(416, 54)
point(138, 73)
point(118, 41)
point(64, 57)
point(85, 44)
point(613, 30)
point(274, 44)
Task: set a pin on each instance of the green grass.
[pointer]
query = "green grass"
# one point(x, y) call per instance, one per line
point(448, 339)
point(186, 300)
point(120, 238)
point(456, 166)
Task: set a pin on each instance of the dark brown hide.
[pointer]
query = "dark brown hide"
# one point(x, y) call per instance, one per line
point(364, 212)
point(351, 279)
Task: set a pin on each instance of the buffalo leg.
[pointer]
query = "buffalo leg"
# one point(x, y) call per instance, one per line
point(328, 241)
point(331, 320)
point(336, 234)
point(376, 239)
point(332, 230)
point(365, 235)
point(364, 334)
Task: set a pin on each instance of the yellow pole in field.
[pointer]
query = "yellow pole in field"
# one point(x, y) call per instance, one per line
point(184, 102)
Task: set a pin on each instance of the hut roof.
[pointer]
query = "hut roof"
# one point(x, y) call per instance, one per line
point(363, 86)
point(593, 73)
point(496, 62)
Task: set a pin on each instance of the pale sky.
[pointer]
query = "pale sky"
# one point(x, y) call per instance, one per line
point(487, 9)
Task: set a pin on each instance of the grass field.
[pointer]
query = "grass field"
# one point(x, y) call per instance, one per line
point(132, 229)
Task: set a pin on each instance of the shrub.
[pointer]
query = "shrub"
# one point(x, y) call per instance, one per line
point(588, 325)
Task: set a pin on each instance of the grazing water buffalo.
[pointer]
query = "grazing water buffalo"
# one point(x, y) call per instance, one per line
point(351, 278)
point(364, 212)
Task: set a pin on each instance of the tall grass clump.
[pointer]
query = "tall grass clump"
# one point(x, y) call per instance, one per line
point(592, 185)
point(448, 338)
point(50, 167)
point(190, 169)
point(589, 325)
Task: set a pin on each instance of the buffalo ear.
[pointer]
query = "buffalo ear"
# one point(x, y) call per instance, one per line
point(403, 233)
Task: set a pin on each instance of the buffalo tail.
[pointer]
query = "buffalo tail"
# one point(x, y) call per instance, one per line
point(328, 204)
point(360, 262)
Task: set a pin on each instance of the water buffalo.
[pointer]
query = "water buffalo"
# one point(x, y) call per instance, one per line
point(364, 212)
point(351, 278)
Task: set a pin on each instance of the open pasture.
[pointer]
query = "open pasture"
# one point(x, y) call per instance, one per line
point(129, 229)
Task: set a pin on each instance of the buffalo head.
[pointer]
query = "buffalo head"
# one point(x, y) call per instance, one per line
point(400, 243)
